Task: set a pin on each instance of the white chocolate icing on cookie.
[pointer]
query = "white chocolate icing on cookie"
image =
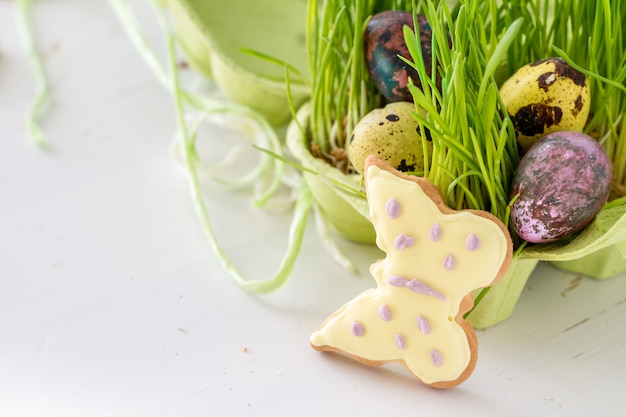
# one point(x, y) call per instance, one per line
point(435, 258)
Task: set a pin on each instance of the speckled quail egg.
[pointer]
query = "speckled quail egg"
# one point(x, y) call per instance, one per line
point(546, 96)
point(561, 184)
point(393, 134)
point(384, 43)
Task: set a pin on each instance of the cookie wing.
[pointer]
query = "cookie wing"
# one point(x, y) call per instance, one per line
point(435, 258)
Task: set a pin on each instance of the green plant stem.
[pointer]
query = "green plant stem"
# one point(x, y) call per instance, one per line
point(341, 92)
point(474, 148)
point(25, 27)
point(303, 204)
point(169, 77)
point(590, 36)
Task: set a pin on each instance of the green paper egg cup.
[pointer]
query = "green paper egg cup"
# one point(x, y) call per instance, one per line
point(347, 213)
point(602, 264)
point(212, 34)
point(599, 251)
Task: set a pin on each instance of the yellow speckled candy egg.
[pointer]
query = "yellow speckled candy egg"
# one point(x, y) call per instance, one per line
point(393, 134)
point(544, 97)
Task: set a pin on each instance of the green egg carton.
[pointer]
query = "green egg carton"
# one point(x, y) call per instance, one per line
point(227, 41)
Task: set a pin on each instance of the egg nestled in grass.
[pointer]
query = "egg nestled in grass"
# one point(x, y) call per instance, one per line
point(393, 134)
point(544, 97)
point(561, 184)
point(384, 43)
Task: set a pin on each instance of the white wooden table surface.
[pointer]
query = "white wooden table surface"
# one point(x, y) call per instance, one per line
point(112, 304)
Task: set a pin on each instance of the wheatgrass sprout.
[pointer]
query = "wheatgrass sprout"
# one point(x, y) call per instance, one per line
point(341, 92)
point(605, 43)
point(589, 35)
point(474, 147)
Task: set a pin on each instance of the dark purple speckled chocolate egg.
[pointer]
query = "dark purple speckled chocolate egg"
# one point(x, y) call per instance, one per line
point(384, 41)
point(563, 181)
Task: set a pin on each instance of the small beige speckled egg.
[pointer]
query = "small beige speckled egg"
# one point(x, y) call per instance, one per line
point(393, 134)
point(544, 97)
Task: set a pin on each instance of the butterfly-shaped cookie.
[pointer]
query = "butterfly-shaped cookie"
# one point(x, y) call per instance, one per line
point(435, 258)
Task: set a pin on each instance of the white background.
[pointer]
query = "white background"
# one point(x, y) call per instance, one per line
point(112, 304)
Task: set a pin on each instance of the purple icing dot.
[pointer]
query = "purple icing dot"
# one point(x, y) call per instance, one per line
point(472, 242)
point(384, 313)
point(435, 232)
point(400, 341)
point(393, 208)
point(403, 241)
point(449, 262)
point(423, 324)
point(357, 329)
point(435, 357)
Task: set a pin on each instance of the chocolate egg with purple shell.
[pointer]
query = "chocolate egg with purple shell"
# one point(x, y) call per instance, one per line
point(560, 185)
